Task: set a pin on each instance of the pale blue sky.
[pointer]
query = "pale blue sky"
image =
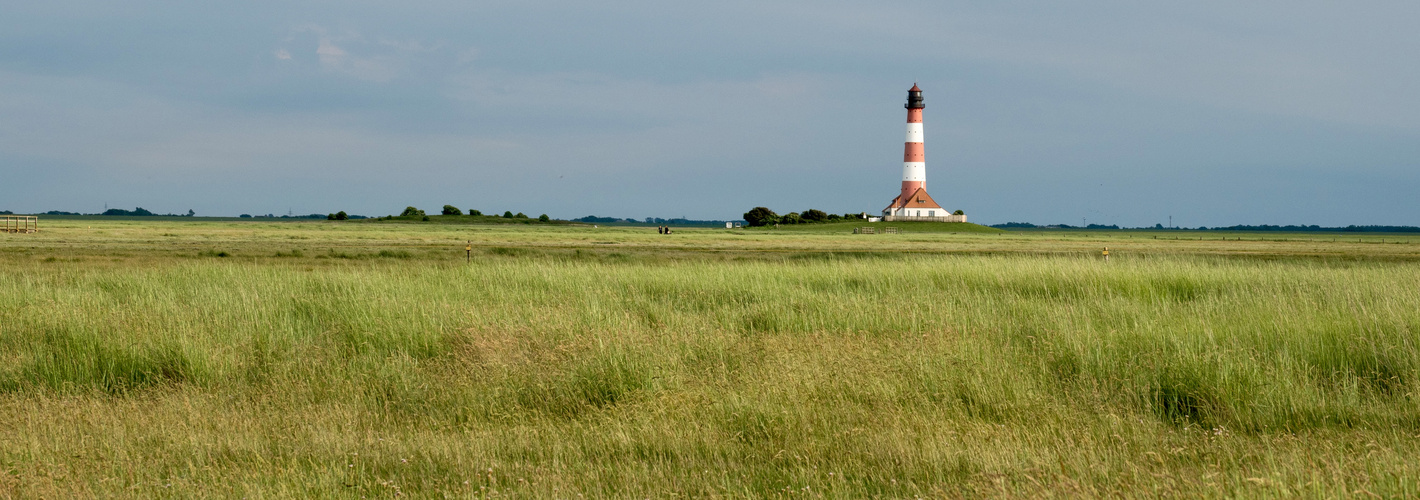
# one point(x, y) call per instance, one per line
point(1217, 113)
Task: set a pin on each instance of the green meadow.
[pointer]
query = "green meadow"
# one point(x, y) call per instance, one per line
point(254, 359)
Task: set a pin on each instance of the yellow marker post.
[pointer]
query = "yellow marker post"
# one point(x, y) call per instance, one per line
point(1106, 254)
point(468, 253)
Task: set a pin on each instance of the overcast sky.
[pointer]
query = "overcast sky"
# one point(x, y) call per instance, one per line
point(1216, 113)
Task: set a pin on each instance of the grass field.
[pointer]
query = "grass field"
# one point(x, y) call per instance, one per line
point(179, 359)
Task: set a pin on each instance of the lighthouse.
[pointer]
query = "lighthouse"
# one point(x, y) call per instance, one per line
point(912, 202)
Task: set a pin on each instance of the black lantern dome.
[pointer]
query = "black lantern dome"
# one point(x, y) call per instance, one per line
point(914, 98)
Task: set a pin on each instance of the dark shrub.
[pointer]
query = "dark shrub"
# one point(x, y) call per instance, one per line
point(761, 216)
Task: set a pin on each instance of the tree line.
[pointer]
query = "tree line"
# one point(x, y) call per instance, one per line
point(763, 216)
point(412, 212)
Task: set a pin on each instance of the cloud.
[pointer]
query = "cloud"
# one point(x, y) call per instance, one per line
point(381, 61)
point(283, 55)
point(330, 54)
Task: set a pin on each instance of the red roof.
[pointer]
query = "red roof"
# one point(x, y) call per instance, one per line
point(914, 88)
point(919, 199)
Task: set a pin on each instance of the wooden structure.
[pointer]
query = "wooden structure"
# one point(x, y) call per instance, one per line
point(19, 224)
point(863, 230)
point(891, 230)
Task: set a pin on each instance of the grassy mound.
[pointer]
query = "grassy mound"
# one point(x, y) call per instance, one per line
point(906, 227)
point(467, 219)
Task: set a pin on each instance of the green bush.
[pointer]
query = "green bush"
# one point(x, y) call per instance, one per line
point(761, 216)
point(451, 210)
point(544, 218)
point(474, 212)
point(507, 214)
point(411, 212)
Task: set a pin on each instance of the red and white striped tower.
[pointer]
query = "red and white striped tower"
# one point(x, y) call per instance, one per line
point(913, 203)
point(914, 157)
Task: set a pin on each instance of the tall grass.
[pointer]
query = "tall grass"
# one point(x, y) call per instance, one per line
point(835, 376)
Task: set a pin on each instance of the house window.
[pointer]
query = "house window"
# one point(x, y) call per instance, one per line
point(931, 213)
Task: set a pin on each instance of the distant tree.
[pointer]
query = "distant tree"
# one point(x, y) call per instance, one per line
point(958, 212)
point(791, 218)
point(1014, 225)
point(341, 215)
point(411, 212)
point(761, 216)
point(544, 218)
point(190, 213)
point(115, 211)
point(330, 217)
point(520, 216)
point(813, 215)
point(451, 210)
point(834, 217)
point(600, 220)
point(474, 212)
point(507, 214)
point(424, 218)
point(245, 216)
